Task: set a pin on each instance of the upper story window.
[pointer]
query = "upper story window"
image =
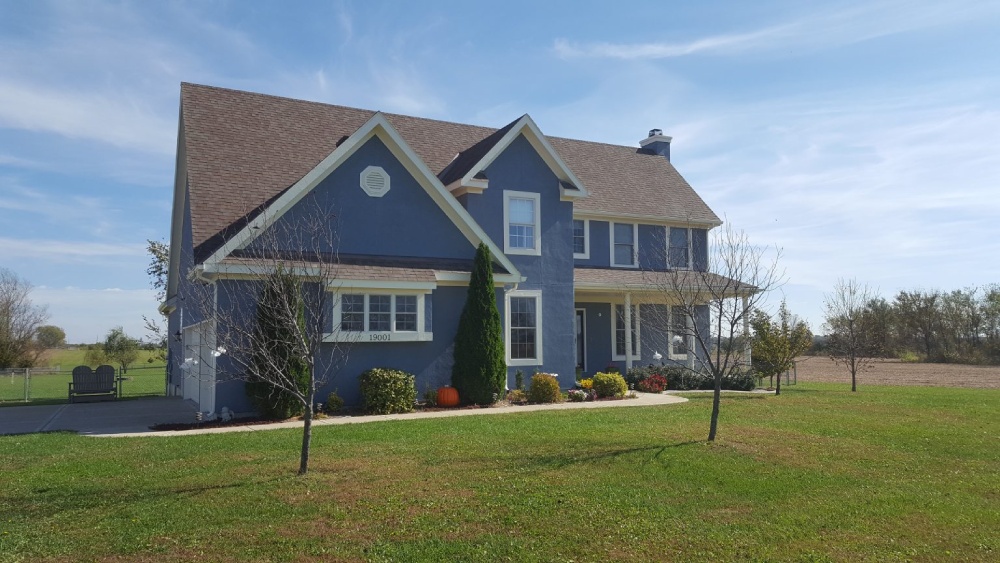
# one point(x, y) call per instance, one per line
point(581, 238)
point(522, 223)
point(624, 248)
point(679, 248)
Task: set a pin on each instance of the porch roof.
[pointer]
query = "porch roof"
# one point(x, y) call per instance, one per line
point(645, 281)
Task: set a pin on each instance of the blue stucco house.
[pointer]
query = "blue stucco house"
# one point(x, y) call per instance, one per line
point(573, 226)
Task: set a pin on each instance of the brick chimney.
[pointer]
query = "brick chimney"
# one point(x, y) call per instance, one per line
point(656, 143)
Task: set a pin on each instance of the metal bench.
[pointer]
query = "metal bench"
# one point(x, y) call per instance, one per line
point(91, 385)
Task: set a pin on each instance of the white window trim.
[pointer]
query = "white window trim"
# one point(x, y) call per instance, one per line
point(690, 239)
point(615, 356)
point(635, 245)
point(586, 240)
point(670, 335)
point(537, 294)
point(537, 200)
point(379, 337)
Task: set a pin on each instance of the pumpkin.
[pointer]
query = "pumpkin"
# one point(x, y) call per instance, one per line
point(447, 397)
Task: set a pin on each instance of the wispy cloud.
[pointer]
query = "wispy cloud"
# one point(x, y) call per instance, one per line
point(64, 251)
point(830, 27)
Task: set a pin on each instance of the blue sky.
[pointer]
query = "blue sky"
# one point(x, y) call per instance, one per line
point(860, 137)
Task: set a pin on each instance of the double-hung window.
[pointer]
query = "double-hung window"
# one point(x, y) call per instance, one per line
point(522, 223)
point(379, 317)
point(581, 238)
point(624, 240)
point(524, 327)
point(620, 332)
point(679, 333)
point(679, 248)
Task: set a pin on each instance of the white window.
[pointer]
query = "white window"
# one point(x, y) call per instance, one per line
point(679, 248)
point(522, 223)
point(581, 238)
point(679, 333)
point(619, 332)
point(524, 327)
point(378, 317)
point(624, 245)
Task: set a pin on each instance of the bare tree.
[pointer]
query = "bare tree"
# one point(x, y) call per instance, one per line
point(288, 274)
point(709, 308)
point(849, 326)
point(158, 270)
point(20, 320)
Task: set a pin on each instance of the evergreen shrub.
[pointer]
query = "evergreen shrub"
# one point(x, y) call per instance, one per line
point(387, 391)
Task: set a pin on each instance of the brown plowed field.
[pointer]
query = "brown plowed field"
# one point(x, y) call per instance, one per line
point(895, 372)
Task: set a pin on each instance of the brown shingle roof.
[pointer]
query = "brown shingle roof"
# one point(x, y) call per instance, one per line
point(245, 148)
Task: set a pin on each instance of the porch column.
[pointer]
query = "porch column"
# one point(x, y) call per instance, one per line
point(746, 334)
point(628, 332)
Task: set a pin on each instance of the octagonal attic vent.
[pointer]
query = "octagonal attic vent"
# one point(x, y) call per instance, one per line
point(375, 181)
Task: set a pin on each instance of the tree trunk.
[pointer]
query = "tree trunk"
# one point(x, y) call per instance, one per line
point(777, 389)
point(307, 431)
point(717, 394)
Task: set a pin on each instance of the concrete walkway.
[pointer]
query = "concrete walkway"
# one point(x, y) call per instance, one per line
point(107, 418)
point(134, 417)
point(643, 400)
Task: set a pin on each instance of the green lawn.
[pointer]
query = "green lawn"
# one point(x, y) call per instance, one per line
point(818, 474)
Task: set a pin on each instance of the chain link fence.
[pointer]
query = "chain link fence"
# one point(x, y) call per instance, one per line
point(52, 385)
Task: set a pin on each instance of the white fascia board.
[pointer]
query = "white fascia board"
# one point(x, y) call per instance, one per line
point(379, 126)
point(463, 278)
point(541, 145)
point(645, 219)
point(177, 213)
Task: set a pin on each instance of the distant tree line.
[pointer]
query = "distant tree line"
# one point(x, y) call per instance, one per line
point(958, 326)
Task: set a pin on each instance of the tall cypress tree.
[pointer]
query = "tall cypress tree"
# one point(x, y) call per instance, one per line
point(479, 370)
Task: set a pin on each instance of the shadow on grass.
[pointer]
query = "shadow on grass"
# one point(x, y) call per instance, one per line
point(564, 460)
point(48, 501)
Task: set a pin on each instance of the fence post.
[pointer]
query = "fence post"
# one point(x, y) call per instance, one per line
point(27, 385)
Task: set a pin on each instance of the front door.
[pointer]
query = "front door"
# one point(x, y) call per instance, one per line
point(580, 340)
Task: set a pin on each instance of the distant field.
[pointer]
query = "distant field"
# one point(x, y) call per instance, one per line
point(895, 372)
point(66, 359)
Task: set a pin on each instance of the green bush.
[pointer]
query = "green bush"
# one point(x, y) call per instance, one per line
point(544, 389)
point(387, 391)
point(334, 403)
point(610, 385)
point(517, 397)
point(479, 372)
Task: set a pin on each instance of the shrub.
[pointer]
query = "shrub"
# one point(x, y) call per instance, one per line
point(544, 389)
point(334, 403)
point(577, 395)
point(431, 397)
point(387, 391)
point(519, 380)
point(586, 383)
point(637, 374)
point(739, 382)
point(655, 383)
point(517, 397)
point(610, 385)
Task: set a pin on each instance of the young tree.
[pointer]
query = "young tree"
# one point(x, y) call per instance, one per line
point(284, 337)
point(19, 322)
point(849, 328)
point(777, 342)
point(479, 371)
point(715, 303)
point(158, 270)
point(50, 336)
point(121, 348)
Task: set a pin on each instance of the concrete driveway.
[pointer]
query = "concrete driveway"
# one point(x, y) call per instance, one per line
point(107, 417)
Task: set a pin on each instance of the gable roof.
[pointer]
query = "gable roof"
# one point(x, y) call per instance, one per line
point(376, 127)
point(243, 149)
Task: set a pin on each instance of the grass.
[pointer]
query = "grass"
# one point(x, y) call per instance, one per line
point(818, 474)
